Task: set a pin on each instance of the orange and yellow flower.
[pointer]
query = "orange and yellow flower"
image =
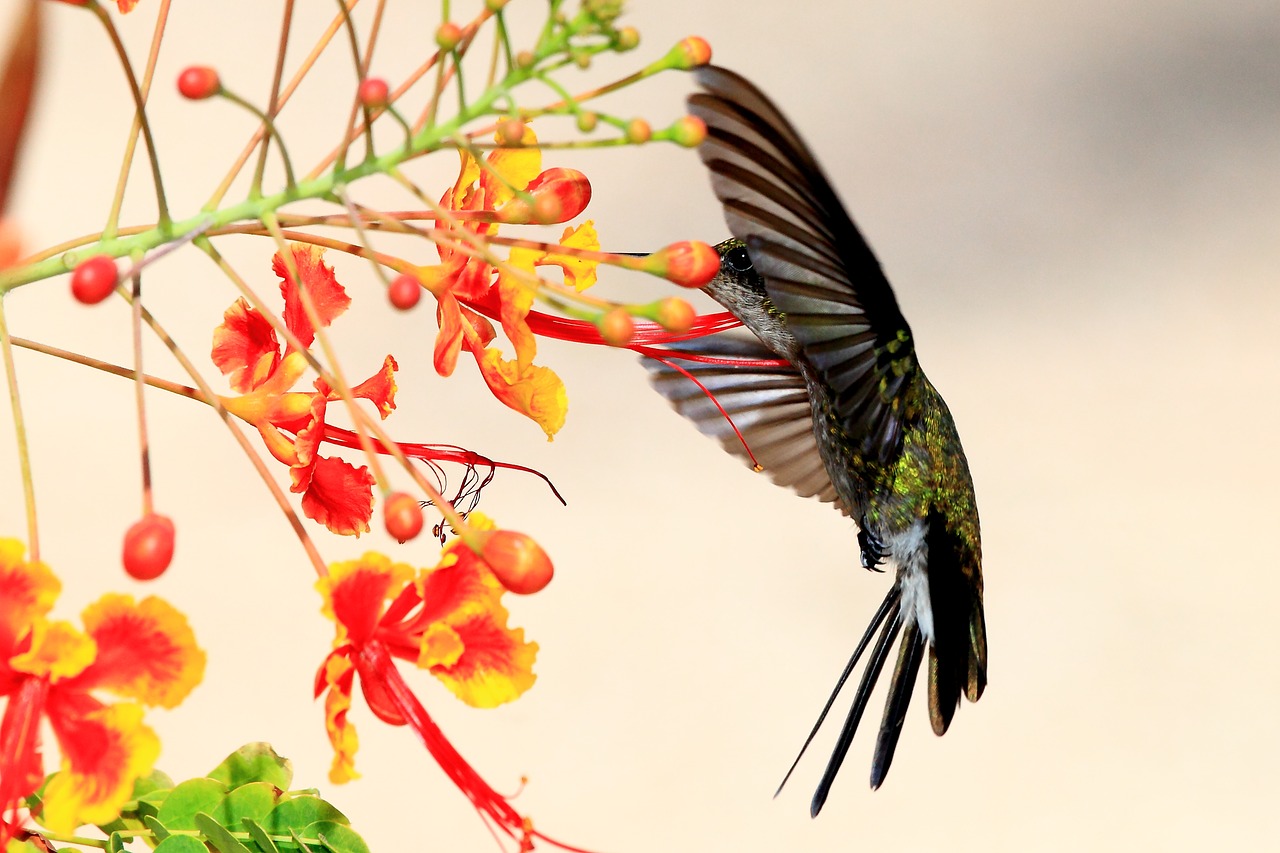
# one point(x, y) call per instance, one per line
point(143, 651)
point(448, 620)
point(292, 423)
point(481, 199)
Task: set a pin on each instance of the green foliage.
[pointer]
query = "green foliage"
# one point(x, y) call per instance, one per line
point(242, 806)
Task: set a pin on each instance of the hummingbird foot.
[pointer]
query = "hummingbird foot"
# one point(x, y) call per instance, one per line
point(873, 550)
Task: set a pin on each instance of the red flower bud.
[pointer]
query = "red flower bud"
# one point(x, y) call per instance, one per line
point(517, 561)
point(676, 315)
point(405, 291)
point(567, 193)
point(94, 279)
point(689, 263)
point(616, 327)
point(403, 516)
point(448, 35)
point(689, 131)
point(639, 131)
point(198, 82)
point(148, 547)
point(373, 92)
point(690, 52)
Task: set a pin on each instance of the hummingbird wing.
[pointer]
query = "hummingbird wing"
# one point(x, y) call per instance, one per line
point(818, 270)
point(763, 414)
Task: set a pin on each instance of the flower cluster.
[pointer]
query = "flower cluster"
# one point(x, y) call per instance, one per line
point(139, 650)
point(292, 423)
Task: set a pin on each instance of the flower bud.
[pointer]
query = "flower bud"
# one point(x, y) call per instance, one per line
point(639, 131)
point(402, 515)
point(405, 291)
point(616, 327)
point(198, 82)
point(689, 131)
point(373, 92)
point(511, 133)
point(628, 38)
point(567, 193)
point(587, 121)
point(690, 52)
point(689, 263)
point(518, 562)
point(148, 547)
point(448, 35)
point(93, 279)
point(676, 315)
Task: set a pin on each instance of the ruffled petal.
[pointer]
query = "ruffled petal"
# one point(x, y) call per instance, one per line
point(511, 167)
point(535, 392)
point(328, 297)
point(496, 664)
point(580, 273)
point(339, 496)
point(27, 593)
point(105, 750)
point(146, 650)
point(58, 651)
point(339, 675)
point(245, 347)
point(356, 593)
point(380, 388)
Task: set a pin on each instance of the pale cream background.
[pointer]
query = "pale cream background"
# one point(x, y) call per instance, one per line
point(1077, 204)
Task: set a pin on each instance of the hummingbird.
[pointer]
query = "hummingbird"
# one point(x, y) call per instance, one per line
point(826, 395)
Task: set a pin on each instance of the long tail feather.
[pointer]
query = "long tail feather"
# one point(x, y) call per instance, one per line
point(901, 686)
point(889, 604)
point(874, 666)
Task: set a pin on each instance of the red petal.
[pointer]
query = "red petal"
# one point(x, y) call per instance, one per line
point(245, 347)
point(328, 297)
point(340, 496)
point(380, 388)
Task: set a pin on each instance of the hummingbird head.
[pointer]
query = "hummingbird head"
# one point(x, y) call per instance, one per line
point(741, 290)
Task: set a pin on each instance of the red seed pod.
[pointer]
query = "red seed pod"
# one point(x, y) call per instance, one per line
point(403, 516)
point(405, 291)
point(676, 315)
point(94, 279)
point(616, 327)
point(689, 131)
point(690, 52)
point(638, 130)
point(198, 82)
point(689, 263)
point(448, 35)
point(373, 92)
point(518, 562)
point(148, 547)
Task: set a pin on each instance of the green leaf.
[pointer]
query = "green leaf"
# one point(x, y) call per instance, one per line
point(260, 837)
point(156, 780)
point(336, 838)
point(192, 796)
point(253, 801)
point(157, 828)
point(299, 813)
point(218, 836)
point(254, 762)
point(115, 843)
point(181, 844)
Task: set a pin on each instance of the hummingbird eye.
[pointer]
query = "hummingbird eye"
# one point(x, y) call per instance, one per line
point(738, 259)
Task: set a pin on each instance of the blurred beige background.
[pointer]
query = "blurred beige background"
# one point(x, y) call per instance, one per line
point(1077, 204)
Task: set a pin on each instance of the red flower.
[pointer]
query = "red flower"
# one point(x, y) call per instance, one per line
point(448, 620)
point(138, 650)
point(292, 423)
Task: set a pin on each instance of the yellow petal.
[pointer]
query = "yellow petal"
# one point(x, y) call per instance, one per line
point(57, 651)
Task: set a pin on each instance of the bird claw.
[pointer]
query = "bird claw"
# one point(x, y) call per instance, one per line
point(873, 550)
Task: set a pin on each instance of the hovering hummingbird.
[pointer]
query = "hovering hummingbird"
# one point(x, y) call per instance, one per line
point(826, 396)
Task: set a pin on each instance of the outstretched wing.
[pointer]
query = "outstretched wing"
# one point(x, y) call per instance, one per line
point(818, 270)
point(766, 401)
